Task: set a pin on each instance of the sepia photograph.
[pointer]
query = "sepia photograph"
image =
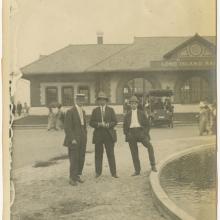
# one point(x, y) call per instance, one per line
point(113, 109)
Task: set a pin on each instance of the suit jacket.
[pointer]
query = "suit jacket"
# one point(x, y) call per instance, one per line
point(72, 125)
point(143, 121)
point(109, 117)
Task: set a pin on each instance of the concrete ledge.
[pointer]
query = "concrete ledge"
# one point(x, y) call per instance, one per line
point(161, 200)
point(178, 108)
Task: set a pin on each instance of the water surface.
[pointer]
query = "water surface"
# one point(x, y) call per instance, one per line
point(191, 183)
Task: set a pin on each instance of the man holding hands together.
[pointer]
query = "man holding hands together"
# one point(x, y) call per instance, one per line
point(103, 120)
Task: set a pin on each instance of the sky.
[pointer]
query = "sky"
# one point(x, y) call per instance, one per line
point(40, 27)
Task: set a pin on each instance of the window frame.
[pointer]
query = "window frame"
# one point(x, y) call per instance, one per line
point(46, 94)
point(62, 95)
point(191, 93)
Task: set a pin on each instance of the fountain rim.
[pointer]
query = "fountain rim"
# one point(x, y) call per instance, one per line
point(162, 201)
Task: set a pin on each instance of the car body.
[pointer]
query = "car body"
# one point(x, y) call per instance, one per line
point(159, 112)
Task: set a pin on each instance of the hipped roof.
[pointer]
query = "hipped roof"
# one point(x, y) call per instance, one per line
point(109, 57)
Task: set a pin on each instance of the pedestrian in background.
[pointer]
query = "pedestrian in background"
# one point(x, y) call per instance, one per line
point(76, 139)
point(13, 108)
point(140, 105)
point(59, 117)
point(126, 106)
point(51, 119)
point(26, 109)
point(103, 120)
point(147, 106)
point(136, 129)
point(213, 118)
point(19, 108)
point(204, 119)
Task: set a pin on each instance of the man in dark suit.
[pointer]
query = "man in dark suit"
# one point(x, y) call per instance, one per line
point(76, 138)
point(103, 120)
point(136, 129)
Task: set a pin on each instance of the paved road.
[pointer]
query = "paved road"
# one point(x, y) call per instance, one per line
point(106, 198)
point(31, 145)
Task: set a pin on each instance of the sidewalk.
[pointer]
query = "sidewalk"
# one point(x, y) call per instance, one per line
point(44, 192)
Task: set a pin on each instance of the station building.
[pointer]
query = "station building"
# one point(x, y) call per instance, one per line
point(187, 65)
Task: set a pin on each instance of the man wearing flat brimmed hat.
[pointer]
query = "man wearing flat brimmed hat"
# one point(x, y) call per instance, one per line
point(76, 138)
point(136, 129)
point(103, 120)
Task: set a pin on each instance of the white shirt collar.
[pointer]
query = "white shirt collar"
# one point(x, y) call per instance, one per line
point(79, 107)
point(103, 107)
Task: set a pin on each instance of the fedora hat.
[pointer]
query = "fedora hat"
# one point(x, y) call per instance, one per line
point(133, 99)
point(102, 95)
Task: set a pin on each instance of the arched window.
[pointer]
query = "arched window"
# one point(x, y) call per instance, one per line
point(194, 90)
point(137, 86)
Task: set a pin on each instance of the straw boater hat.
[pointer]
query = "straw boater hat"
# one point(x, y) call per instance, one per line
point(102, 95)
point(133, 99)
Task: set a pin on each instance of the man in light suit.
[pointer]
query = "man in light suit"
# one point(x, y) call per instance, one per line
point(76, 138)
point(103, 120)
point(136, 129)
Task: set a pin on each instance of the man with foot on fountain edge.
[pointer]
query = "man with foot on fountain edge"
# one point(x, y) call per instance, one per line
point(136, 129)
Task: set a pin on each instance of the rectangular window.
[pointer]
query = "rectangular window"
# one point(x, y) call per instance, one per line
point(84, 90)
point(67, 95)
point(51, 95)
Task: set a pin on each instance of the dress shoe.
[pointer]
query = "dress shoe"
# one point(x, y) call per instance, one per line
point(154, 169)
point(73, 182)
point(135, 174)
point(80, 180)
point(115, 176)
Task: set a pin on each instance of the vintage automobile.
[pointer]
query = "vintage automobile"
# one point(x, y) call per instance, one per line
point(159, 107)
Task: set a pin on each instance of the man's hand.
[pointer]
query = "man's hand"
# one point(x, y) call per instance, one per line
point(107, 125)
point(102, 124)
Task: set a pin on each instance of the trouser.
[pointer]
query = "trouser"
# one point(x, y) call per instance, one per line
point(135, 137)
point(109, 148)
point(203, 126)
point(76, 154)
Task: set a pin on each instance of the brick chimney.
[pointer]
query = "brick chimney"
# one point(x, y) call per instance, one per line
point(99, 37)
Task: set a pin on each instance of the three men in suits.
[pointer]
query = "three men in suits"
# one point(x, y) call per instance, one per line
point(76, 138)
point(136, 129)
point(103, 120)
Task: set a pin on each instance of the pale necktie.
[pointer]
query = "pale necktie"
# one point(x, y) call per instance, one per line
point(81, 115)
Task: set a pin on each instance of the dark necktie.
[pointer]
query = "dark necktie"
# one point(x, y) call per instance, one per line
point(102, 113)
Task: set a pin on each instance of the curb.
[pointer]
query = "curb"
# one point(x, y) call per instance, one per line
point(161, 200)
point(40, 126)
